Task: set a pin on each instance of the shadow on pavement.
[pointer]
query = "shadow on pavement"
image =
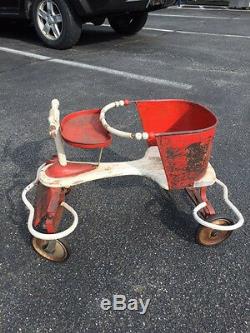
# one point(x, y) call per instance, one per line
point(24, 31)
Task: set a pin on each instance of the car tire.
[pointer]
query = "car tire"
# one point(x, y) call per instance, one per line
point(56, 24)
point(128, 24)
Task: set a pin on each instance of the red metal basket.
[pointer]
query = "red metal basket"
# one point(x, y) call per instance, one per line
point(183, 132)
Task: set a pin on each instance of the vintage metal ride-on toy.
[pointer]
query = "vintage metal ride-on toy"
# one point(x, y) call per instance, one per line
point(179, 135)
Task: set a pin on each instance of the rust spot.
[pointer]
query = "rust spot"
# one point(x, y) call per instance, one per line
point(175, 167)
point(196, 156)
point(184, 162)
point(173, 153)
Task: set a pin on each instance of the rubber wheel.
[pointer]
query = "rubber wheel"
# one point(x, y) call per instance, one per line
point(210, 237)
point(56, 24)
point(56, 250)
point(128, 24)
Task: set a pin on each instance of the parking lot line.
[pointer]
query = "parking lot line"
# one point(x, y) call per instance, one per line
point(23, 53)
point(195, 16)
point(202, 8)
point(195, 33)
point(190, 32)
point(127, 75)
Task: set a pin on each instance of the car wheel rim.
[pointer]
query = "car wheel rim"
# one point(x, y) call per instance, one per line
point(50, 20)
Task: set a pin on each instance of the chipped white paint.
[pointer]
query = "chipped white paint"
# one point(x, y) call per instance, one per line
point(105, 124)
point(208, 179)
point(149, 166)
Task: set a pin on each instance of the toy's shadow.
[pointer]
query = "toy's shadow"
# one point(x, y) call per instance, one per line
point(24, 31)
point(27, 158)
point(170, 214)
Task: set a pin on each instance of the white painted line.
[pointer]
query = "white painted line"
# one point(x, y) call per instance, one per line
point(196, 16)
point(204, 7)
point(212, 34)
point(159, 30)
point(127, 75)
point(190, 32)
point(201, 8)
point(196, 33)
point(25, 54)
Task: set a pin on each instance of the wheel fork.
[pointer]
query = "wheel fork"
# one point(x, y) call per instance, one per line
point(198, 195)
point(48, 205)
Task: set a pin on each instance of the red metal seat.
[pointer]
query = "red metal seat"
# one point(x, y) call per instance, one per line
point(83, 129)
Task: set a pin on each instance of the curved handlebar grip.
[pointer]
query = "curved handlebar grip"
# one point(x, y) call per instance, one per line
point(229, 203)
point(55, 104)
point(112, 130)
point(54, 113)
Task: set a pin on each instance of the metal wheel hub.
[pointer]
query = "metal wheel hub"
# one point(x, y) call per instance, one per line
point(210, 237)
point(49, 19)
point(51, 250)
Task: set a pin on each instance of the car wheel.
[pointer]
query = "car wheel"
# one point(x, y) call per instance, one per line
point(56, 24)
point(128, 24)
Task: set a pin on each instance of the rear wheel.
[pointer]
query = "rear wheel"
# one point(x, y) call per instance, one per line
point(210, 237)
point(128, 24)
point(53, 250)
point(56, 24)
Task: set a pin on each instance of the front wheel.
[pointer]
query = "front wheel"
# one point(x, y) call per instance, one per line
point(56, 24)
point(128, 24)
point(210, 237)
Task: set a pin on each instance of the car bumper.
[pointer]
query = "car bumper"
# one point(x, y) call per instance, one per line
point(106, 7)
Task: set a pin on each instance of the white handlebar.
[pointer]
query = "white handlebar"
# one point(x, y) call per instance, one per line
point(54, 114)
point(54, 122)
point(229, 203)
point(122, 134)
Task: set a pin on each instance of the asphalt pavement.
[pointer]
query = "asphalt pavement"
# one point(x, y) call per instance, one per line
point(133, 238)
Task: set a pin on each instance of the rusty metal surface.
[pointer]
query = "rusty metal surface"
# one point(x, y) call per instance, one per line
point(185, 157)
point(52, 250)
point(198, 196)
point(184, 132)
point(48, 209)
point(196, 156)
point(83, 129)
point(209, 237)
